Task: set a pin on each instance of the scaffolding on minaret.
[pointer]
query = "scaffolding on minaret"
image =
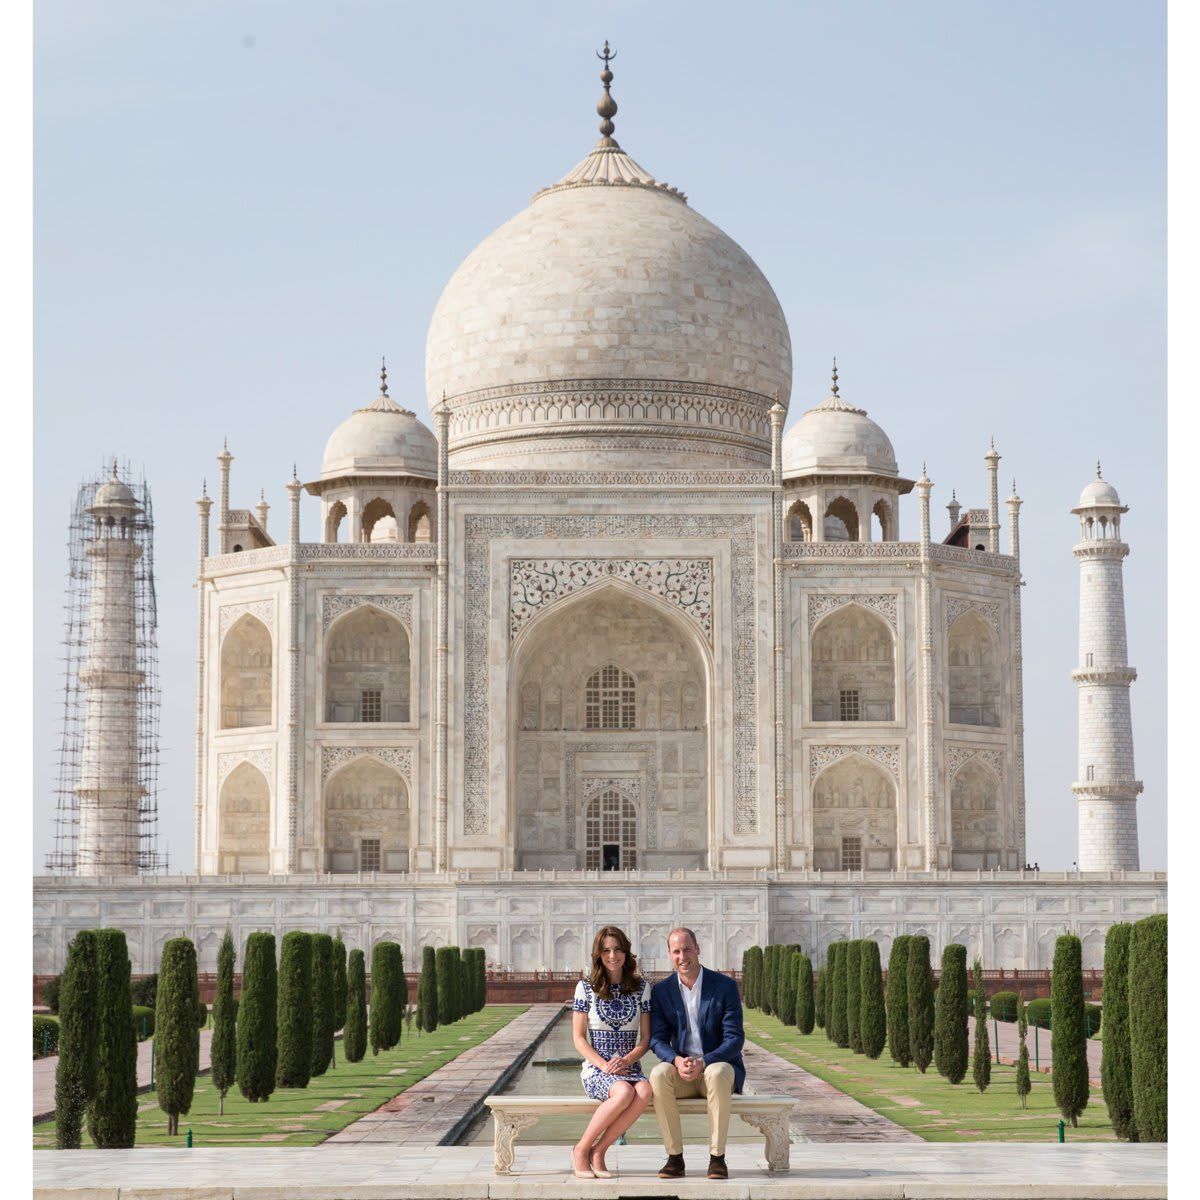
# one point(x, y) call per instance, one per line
point(95, 717)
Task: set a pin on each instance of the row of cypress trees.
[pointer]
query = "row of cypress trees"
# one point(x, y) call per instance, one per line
point(1133, 1064)
point(452, 985)
point(790, 992)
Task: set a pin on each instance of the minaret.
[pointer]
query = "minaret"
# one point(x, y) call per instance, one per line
point(109, 790)
point(1105, 788)
point(993, 468)
point(954, 508)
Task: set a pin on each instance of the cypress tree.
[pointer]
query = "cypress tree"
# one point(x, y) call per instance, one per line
point(897, 1002)
point(1024, 1086)
point(920, 1002)
point(387, 979)
point(873, 1017)
point(1068, 1032)
point(754, 976)
point(295, 1010)
point(1116, 1067)
point(223, 1050)
point(766, 994)
point(786, 995)
point(445, 984)
point(459, 1010)
point(853, 989)
point(746, 979)
point(257, 1048)
point(176, 1034)
point(354, 1041)
point(838, 1029)
point(981, 1063)
point(339, 988)
point(112, 1114)
point(1147, 1026)
point(427, 992)
point(819, 998)
point(483, 980)
point(323, 1003)
point(75, 1075)
point(829, 956)
point(805, 1002)
point(950, 1015)
point(478, 977)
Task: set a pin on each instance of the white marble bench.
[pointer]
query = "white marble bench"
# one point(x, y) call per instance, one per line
point(512, 1114)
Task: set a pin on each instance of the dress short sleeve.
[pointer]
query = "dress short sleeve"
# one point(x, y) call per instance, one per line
point(580, 1003)
point(645, 1000)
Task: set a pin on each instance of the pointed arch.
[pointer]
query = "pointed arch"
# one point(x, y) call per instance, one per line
point(853, 666)
point(841, 522)
point(373, 512)
point(854, 803)
point(973, 655)
point(243, 822)
point(368, 673)
point(420, 523)
point(246, 673)
point(799, 525)
point(334, 519)
point(367, 817)
point(884, 513)
point(976, 817)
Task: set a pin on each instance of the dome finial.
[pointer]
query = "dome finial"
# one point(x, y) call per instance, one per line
point(607, 108)
point(1098, 475)
point(835, 382)
point(383, 377)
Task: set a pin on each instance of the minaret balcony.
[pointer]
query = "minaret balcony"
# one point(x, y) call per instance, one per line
point(1121, 675)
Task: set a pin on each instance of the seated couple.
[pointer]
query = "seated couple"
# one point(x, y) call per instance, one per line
point(692, 1020)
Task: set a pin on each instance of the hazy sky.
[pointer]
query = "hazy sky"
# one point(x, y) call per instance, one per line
point(240, 206)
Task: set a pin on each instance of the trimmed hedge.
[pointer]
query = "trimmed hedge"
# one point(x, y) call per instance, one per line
point(1068, 1031)
point(897, 1002)
point(78, 1034)
point(427, 992)
point(853, 973)
point(145, 990)
point(950, 1054)
point(805, 1003)
point(785, 995)
point(920, 1002)
point(339, 983)
point(294, 1020)
point(766, 995)
point(354, 1040)
point(872, 1015)
point(1116, 1065)
point(387, 1007)
point(819, 998)
point(838, 1029)
point(45, 1036)
point(1037, 1012)
point(1003, 1006)
point(224, 1039)
point(51, 990)
point(112, 1114)
point(446, 985)
point(1148, 1026)
point(257, 1041)
point(752, 983)
point(143, 1022)
point(177, 1037)
point(323, 1003)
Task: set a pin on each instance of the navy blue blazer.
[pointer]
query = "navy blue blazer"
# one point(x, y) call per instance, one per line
point(721, 1032)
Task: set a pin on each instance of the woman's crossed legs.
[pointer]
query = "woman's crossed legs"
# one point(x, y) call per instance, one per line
point(626, 1102)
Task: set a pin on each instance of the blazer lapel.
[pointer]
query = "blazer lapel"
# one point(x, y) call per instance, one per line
point(680, 1016)
point(708, 984)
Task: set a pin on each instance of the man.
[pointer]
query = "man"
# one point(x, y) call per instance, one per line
point(696, 1030)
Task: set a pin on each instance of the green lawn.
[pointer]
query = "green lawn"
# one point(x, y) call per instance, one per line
point(307, 1116)
point(927, 1104)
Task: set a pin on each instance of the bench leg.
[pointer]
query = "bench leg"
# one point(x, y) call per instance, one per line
point(508, 1126)
point(773, 1127)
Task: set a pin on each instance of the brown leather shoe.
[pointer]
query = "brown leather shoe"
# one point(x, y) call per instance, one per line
point(672, 1168)
point(716, 1167)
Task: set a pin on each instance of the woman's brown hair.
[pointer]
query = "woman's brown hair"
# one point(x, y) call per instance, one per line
point(631, 981)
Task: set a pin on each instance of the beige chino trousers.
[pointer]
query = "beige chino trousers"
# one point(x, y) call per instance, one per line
point(715, 1085)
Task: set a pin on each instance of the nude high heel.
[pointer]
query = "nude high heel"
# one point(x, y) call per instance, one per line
point(598, 1172)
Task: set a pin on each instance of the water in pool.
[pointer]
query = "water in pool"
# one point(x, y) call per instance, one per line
point(554, 1071)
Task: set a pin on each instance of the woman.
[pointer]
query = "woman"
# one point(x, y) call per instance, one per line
point(611, 1024)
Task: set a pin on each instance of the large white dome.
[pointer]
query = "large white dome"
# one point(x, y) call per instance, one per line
point(608, 323)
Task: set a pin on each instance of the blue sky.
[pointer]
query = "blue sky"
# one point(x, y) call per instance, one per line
point(239, 207)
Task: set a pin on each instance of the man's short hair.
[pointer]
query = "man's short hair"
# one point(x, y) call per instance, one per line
point(684, 929)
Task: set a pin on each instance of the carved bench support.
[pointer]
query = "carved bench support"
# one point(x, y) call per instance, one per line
point(508, 1127)
point(773, 1127)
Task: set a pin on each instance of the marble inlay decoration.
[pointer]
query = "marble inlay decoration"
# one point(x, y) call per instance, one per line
point(956, 756)
point(400, 757)
point(334, 606)
point(264, 610)
point(822, 604)
point(820, 757)
point(262, 759)
point(957, 605)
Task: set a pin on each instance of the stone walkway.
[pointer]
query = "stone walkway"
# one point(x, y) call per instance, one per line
point(929, 1171)
point(44, 1069)
point(822, 1113)
point(438, 1108)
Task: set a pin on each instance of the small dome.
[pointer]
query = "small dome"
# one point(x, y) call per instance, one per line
point(837, 438)
point(1099, 493)
point(114, 494)
point(382, 438)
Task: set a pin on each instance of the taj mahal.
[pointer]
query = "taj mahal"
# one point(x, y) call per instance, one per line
point(646, 628)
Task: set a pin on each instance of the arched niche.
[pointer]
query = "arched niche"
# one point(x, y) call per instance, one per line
point(246, 674)
point(883, 521)
point(853, 667)
point(366, 818)
point(367, 669)
point(841, 521)
point(664, 755)
point(243, 837)
point(974, 668)
point(333, 520)
point(976, 824)
point(854, 816)
point(374, 512)
point(799, 523)
point(610, 832)
point(420, 523)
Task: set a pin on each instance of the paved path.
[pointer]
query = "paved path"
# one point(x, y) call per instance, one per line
point(930, 1171)
point(1009, 1044)
point(44, 1069)
point(822, 1113)
point(440, 1106)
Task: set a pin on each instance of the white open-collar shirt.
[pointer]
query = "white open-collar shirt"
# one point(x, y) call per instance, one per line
point(691, 1008)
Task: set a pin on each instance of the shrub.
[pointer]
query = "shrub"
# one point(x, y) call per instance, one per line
point(354, 1040)
point(897, 1002)
point(1068, 1033)
point(445, 984)
point(143, 1022)
point(112, 1114)
point(838, 1030)
point(829, 981)
point(785, 995)
point(1024, 1086)
point(387, 1007)
point(981, 1063)
point(853, 989)
point(1148, 1026)
point(483, 980)
point(295, 1016)
point(1037, 1012)
point(224, 1038)
point(920, 1002)
point(427, 992)
point(745, 989)
point(339, 983)
point(257, 1042)
point(177, 1035)
point(1116, 1068)
point(872, 1016)
point(766, 994)
point(322, 1003)
point(805, 1003)
point(752, 983)
point(1004, 1006)
point(51, 990)
point(201, 1017)
point(1092, 1014)
point(819, 998)
point(145, 990)
point(45, 1036)
point(75, 1075)
point(950, 1019)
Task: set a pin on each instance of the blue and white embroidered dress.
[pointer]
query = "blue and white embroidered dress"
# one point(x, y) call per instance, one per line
point(614, 1027)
